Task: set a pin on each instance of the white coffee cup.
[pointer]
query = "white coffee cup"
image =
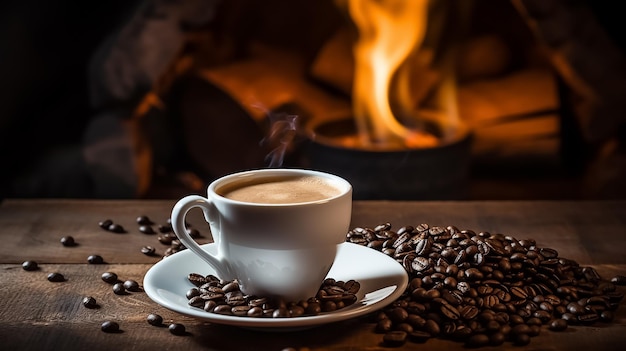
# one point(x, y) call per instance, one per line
point(279, 247)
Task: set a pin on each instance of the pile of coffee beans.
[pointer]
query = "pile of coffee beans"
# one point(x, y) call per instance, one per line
point(483, 289)
point(224, 297)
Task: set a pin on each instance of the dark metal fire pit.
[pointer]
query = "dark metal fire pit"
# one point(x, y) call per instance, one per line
point(437, 173)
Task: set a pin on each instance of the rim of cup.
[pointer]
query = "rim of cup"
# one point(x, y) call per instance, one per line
point(343, 186)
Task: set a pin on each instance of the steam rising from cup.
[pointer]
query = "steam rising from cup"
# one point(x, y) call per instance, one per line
point(280, 137)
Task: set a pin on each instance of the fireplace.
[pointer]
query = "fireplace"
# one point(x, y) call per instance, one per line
point(514, 105)
point(516, 119)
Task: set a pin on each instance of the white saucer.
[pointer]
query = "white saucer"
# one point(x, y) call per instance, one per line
point(382, 281)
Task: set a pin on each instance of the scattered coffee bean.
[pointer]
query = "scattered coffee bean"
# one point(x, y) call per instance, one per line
point(131, 285)
point(116, 228)
point(166, 239)
point(109, 277)
point(110, 327)
point(30, 266)
point(155, 319)
point(146, 229)
point(105, 224)
point(164, 229)
point(119, 289)
point(68, 241)
point(56, 277)
point(90, 302)
point(144, 220)
point(177, 329)
point(95, 259)
point(619, 280)
point(148, 250)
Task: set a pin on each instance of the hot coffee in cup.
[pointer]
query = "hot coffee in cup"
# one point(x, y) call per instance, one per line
point(276, 230)
point(281, 190)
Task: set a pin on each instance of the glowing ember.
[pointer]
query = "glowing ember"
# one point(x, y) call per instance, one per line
point(391, 32)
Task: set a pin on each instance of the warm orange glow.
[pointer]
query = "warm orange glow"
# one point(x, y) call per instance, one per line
point(390, 31)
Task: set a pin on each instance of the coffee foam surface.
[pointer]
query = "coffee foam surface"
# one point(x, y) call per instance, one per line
point(283, 190)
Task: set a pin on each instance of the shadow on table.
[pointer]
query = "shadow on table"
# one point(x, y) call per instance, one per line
point(341, 335)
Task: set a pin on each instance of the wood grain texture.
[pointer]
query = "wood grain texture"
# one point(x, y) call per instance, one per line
point(32, 230)
point(36, 314)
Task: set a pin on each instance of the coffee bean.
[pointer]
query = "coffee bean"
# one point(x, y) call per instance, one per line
point(110, 327)
point(30, 266)
point(56, 277)
point(497, 338)
point(148, 250)
point(144, 220)
point(420, 264)
point(146, 229)
point(474, 274)
point(449, 311)
point(588, 318)
point(313, 309)
point(419, 336)
point(398, 315)
point(469, 312)
point(166, 239)
point(196, 301)
point(243, 310)
point(165, 229)
point(477, 340)
point(558, 324)
point(193, 292)
point(118, 289)
point(109, 277)
point(607, 316)
point(154, 319)
point(95, 259)
point(255, 312)
point(619, 280)
point(131, 285)
point(90, 302)
point(521, 340)
point(116, 228)
point(432, 327)
point(384, 326)
point(223, 309)
point(68, 241)
point(177, 329)
point(395, 338)
point(105, 224)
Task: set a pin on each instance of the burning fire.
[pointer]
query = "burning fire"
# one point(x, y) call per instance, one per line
point(389, 58)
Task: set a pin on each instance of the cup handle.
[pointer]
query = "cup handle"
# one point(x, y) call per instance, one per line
point(179, 212)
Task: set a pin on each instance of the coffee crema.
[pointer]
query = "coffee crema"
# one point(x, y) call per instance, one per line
point(281, 190)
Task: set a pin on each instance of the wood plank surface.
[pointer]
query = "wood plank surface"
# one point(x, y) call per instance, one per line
point(36, 314)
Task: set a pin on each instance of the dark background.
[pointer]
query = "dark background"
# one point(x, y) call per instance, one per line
point(45, 50)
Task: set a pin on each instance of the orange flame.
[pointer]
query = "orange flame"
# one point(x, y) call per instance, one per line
point(389, 32)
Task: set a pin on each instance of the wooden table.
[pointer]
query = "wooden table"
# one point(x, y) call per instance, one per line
point(36, 314)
